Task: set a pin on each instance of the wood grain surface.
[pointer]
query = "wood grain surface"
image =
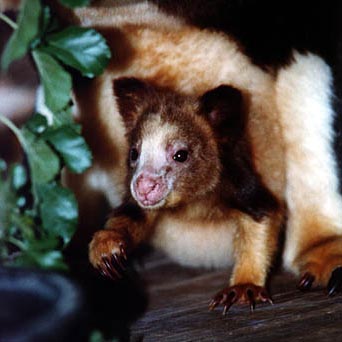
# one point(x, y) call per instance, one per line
point(177, 309)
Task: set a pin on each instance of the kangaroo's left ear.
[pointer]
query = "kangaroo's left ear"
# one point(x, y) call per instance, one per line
point(225, 108)
point(132, 95)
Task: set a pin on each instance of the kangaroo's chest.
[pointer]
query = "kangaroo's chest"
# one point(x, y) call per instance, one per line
point(195, 242)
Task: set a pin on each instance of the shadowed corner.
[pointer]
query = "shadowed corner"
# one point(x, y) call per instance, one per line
point(41, 306)
point(47, 306)
point(113, 306)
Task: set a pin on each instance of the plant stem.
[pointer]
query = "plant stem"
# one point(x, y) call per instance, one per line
point(17, 243)
point(14, 129)
point(8, 21)
point(25, 147)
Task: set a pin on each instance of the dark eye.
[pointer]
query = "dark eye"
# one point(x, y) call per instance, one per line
point(134, 154)
point(181, 156)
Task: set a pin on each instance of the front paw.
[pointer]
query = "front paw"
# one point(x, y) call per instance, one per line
point(241, 293)
point(108, 253)
point(321, 266)
point(334, 285)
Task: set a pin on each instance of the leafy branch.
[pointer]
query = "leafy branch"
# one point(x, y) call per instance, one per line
point(38, 216)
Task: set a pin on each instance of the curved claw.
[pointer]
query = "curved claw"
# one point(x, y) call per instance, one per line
point(255, 293)
point(306, 282)
point(123, 251)
point(101, 271)
point(223, 298)
point(104, 272)
point(251, 299)
point(110, 270)
point(335, 282)
point(264, 296)
point(229, 304)
point(114, 266)
point(242, 293)
point(117, 263)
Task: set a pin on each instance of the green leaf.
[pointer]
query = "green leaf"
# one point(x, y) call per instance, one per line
point(63, 117)
point(75, 3)
point(49, 259)
point(56, 81)
point(3, 165)
point(97, 336)
point(45, 19)
point(43, 161)
point(37, 123)
point(7, 203)
point(58, 211)
point(21, 202)
point(24, 223)
point(49, 23)
point(72, 148)
point(28, 28)
point(18, 176)
point(45, 243)
point(81, 48)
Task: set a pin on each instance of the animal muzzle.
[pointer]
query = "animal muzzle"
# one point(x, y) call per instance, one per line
point(150, 190)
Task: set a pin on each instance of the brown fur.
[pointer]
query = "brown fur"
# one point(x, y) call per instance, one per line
point(128, 226)
point(137, 51)
point(145, 59)
point(262, 241)
point(208, 189)
point(169, 53)
point(320, 249)
point(321, 259)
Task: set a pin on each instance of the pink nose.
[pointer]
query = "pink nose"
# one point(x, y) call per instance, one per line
point(150, 189)
point(146, 184)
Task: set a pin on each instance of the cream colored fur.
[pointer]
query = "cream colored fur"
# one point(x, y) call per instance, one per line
point(191, 245)
point(186, 55)
point(303, 92)
point(192, 72)
point(193, 62)
point(123, 12)
point(296, 104)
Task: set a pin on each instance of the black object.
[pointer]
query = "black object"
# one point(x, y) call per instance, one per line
point(306, 282)
point(40, 306)
point(335, 282)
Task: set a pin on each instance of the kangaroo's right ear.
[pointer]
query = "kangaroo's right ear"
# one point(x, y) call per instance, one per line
point(226, 109)
point(133, 96)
